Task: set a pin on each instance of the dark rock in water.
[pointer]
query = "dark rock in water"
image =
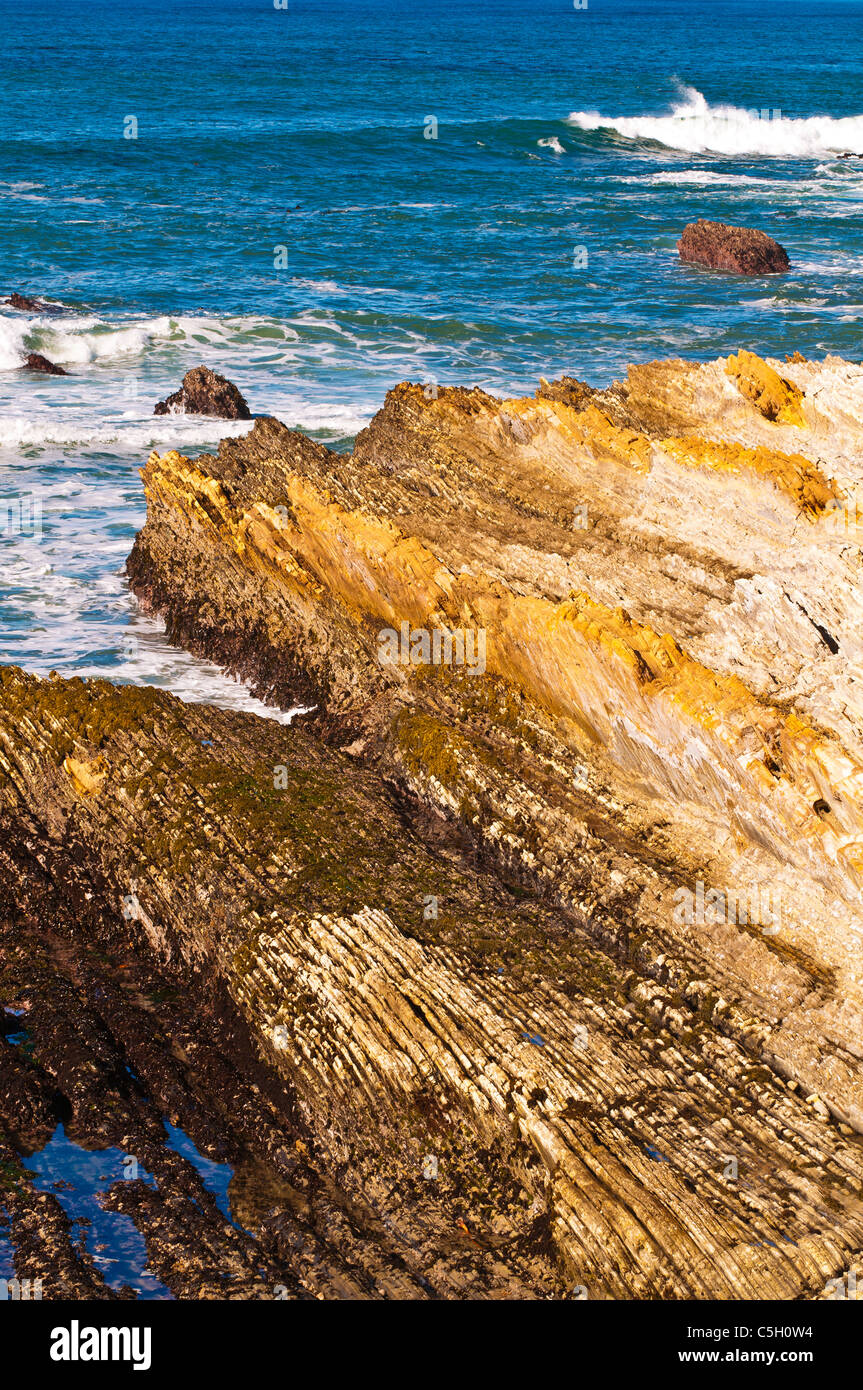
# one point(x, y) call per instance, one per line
point(31, 306)
point(205, 393)
point(740, 249)
point(37, 363)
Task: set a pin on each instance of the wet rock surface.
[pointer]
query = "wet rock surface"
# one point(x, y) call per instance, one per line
point(131, 1025)
point(205, 392)
point(35, 362)
point(30, 305)
point(497, 1098)
point(743, 250)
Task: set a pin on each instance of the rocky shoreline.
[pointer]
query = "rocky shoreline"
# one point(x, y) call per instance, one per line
point(527, 963)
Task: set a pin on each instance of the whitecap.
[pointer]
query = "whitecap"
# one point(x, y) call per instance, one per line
point(703, 178)
point(697, 127)
point(12, 349)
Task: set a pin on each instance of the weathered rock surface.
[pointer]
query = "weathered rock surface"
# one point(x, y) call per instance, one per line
point(740, 249)
point(578, 917)
point(205, 393)
point(497, 1098)
point(37, 363)
point(145, 857)
point(667, 578)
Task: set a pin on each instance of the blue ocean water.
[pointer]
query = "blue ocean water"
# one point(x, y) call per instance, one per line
point(322, 199)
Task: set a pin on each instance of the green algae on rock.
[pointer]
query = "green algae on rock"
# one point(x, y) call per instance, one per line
point(666, 579)
point(387, 1000)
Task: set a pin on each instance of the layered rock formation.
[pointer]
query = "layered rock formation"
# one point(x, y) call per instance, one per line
point(743, 250)
point(666, 587)
point(548, 922)
point(432, 1083)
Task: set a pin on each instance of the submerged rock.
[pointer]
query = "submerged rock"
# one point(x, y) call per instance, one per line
point(205, 393)
point(31, 306)
point(740, 249)
point(37, 363)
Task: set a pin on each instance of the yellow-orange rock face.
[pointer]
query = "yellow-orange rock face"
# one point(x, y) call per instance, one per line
point(658, 722)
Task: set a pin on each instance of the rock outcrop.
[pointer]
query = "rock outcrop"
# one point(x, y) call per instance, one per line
point(664, 584)
point(743, 250)
point(446, 1085)
point(205, 393)
point(544, 931)
point(35, 362)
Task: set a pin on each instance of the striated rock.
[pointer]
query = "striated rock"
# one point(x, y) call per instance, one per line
point(655, 590)
point(205, 393)
point(37, 363)
point(776, 398)
point(462, 1089)
point(741, 249)
point(533, 960)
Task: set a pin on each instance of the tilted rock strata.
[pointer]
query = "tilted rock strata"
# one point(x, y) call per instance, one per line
point(583, 1103)
point(669, 594)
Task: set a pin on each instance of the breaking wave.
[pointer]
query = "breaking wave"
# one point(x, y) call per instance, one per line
point(74, 343)
point(699, 128)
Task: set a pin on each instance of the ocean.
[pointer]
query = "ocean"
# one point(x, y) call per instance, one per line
point(321, 199)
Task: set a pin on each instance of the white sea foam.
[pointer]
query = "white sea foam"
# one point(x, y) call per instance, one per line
point(696, 126)
point(71, 347)
point(23, 432)
point(322, 286)
point(12, 350)
point(704, 178)
point(75, 342)
point(133, 434)
point(551, 142)
point(79, 340)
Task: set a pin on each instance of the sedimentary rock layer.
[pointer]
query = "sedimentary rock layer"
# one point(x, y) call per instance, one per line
point(462, 1088)
point(664, 580)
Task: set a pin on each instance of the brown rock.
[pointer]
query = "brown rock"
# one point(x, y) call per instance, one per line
point(619, 573)
point(37, 363)
point(740, 249)
point(30, 306)
point(205, 393)
point(527, 1091)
